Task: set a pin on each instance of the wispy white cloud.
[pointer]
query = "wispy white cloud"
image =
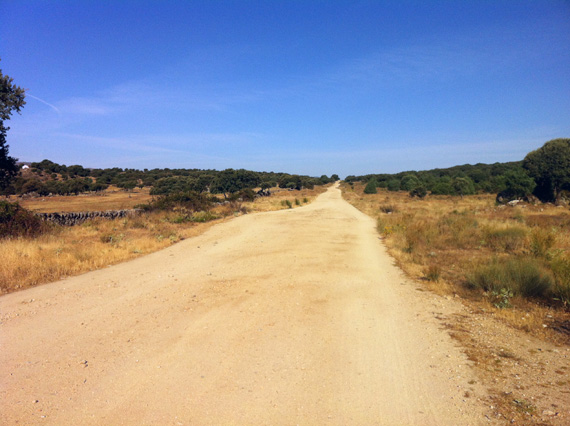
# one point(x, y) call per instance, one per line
point(56, 109)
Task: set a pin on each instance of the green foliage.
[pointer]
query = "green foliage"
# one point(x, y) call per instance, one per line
point(190, 201)
point(517, 185)
point(502, 298)
point(15, 221)
point(550, 168)
point(370, 187)
point(517, 275)
point(419, 191)
point(11, 99)
point(463, 186)
point(409, 182)
point(443, 188)
point(393, 185)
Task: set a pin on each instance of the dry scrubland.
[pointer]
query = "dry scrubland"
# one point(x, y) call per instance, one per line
point(65, 251)
point(513, 262)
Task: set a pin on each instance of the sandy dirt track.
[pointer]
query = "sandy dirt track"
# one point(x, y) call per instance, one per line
point(289, 317)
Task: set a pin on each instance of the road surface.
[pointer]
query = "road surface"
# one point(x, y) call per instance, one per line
point(289, 317)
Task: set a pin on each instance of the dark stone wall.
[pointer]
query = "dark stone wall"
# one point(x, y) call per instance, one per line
point(76, 218)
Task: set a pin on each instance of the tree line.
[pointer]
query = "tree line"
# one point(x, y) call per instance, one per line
point(544, 173)
point(47, 177)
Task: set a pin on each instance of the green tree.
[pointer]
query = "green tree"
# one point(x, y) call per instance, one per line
point(410, 182)
point(517, 185)
point(11, 99)
point(419, 191)
point(463, 186)
point(393, 185)
point(370, 187)
point(550, 168)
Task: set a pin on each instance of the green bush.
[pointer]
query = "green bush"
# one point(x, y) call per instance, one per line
point(519, 275)
point(370, 187)
point(16, 221)
point(419, 191)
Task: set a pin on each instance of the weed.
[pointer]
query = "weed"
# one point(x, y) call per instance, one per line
point(560, 265)
point(203, 216)
point(297, 202)
point(288, 204)
point(305, 200)
point(433, 273)
point(518, 275)
point(505, 239)
point(501, 299)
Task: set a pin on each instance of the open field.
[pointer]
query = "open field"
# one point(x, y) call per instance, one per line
point(111, 199)
point(26, 262)
point(452, 244)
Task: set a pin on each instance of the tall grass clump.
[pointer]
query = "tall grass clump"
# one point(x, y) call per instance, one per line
point(542, 241)
point(560, 266)
point(505, 239)
point(459, 230)
point(522, 276)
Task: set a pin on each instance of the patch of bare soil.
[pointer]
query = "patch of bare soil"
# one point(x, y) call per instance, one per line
point(528, 379)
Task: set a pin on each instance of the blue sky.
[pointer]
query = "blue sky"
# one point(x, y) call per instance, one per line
point(310, 87)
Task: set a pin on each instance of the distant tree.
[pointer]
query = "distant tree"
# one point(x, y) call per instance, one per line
point(419, 191)
point(550, 168)
point(370, 187)
point(517, 185)
point(409, 182)
point(11, 99)
point(463, 186)
point(335, 177)
point(393, 185)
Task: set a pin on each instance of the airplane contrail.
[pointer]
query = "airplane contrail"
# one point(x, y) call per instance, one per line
point(44, 102)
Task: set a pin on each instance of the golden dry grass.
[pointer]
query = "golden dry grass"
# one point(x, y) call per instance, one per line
point(441, 240)
point(25, 262)
point(111, 199)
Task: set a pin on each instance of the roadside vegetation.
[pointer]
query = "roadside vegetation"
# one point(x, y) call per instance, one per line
point(513, 260)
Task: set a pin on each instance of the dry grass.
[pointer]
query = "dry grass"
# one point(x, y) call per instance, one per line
point(443, 241)
point(279, 195)
point(111, 199)
point(26, 262)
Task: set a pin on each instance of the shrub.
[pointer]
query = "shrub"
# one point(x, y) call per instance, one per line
point(560, 267)
point(542, 242)
point(370, 187)
point(297, 202)
point(393, 185)
point(419, 191)
point(521, 276)
point(16, 221)
point(432, 273)
point(506, 239)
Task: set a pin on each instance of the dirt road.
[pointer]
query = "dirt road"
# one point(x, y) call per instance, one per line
point(289, 317)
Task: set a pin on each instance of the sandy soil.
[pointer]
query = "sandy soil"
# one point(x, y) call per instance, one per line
point(289, 317)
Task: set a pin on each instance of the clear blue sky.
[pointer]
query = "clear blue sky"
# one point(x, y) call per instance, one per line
point(311, 87)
